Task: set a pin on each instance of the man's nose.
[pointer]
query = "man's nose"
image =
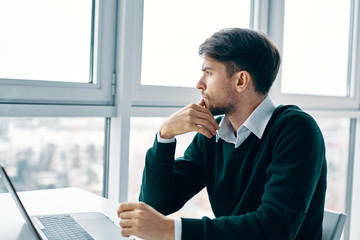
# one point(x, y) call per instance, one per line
point(201, 84)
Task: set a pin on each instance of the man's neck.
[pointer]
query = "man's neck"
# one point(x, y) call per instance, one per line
point(242, 113)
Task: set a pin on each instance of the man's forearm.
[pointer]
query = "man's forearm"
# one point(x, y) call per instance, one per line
point(157, 184)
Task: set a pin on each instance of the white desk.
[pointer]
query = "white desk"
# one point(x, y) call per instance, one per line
point(64, 200)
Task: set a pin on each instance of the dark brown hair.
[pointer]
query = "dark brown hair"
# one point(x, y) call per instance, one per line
point(244, 49)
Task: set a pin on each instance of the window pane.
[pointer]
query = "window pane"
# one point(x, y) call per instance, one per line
point(42, 153)
point(173, 31)
point(45, 40)
point(336, 134)
point(315, 50)
point(142, 137)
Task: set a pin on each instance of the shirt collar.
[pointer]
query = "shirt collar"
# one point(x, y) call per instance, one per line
point(256, 123)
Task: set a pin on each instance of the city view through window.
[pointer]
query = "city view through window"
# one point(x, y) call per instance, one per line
point(43, 153)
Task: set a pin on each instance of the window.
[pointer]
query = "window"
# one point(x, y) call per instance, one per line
point(316, 47)
point(56, 89)
point(53, 40)
point(57, 52)
point(125, 46)
point(43, 153)
point(173, 31)
point(336, 132)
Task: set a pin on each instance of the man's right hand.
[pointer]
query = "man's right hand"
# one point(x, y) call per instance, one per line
point(194, 117)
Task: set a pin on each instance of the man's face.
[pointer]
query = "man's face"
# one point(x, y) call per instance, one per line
point(216, 87)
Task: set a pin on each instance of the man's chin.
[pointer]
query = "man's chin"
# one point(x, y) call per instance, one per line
point(216, 111)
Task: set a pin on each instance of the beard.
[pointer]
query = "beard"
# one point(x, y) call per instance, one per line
point(220, 109)
point(216, 110)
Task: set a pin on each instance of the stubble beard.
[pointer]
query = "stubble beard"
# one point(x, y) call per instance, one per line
point(221, 110)
point(227, 106)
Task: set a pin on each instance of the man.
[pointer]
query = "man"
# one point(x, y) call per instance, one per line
point(263, 166)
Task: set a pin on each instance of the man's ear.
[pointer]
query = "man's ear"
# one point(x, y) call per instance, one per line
point(243, 79)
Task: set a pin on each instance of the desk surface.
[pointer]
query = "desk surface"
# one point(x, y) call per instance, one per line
point(63, 200)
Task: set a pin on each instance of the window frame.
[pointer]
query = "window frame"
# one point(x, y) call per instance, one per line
point(350, 102)
point(161, 96)
point(119, 58)
point(24, 92)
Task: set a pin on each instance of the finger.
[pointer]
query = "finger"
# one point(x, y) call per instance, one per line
point(202, 103)
point(214, 124)
point(126, 215)
point(207, 121)
point(195, 108)
point(203, 131)
point(207, 125)
point(126, 232)
point(126, 223)
point(206, 114)
point(211, 118)
point(126, 207)
point(200, 107)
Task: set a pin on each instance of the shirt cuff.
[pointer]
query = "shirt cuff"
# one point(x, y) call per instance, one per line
point(164, 140)
point(178, 225)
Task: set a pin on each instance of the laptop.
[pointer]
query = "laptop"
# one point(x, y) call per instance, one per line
point(87, 225)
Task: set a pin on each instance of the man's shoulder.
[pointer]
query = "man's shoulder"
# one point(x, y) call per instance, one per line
point(294, 119)
point(288, 112)
point(288, 109)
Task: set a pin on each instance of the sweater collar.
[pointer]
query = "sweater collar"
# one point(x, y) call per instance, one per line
point(256, 123)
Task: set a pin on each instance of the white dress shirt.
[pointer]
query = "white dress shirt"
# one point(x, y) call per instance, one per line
point(256, 123)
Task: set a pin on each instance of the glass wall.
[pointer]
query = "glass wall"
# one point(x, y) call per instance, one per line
point(43, 153)
point(173, 31)
point(336, 132)
point(53, 39)
point(316, 47)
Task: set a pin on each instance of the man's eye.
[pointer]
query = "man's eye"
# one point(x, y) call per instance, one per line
point(208, 73)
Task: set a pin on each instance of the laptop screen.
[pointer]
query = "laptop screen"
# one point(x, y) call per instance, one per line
point(17, 200)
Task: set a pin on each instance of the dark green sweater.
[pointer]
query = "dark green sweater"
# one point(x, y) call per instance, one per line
point(273, 188)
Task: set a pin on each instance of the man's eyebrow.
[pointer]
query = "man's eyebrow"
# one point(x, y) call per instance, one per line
point(206, 68)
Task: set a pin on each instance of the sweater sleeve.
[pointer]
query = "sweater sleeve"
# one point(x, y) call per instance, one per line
point(297, 163)
point(167, 184)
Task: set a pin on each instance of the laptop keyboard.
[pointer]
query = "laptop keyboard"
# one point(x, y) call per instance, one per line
point(63, 227)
